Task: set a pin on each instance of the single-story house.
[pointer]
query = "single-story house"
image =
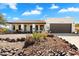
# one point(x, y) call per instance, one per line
point(54, 25)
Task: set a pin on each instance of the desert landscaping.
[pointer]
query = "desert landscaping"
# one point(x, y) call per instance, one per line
point(36, 44)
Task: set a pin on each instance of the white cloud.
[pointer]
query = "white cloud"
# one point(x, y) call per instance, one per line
point(12, 5)
point(8, 17)
point(15, 18)
point(68, 17)
point(26, 13)
point(54, 6)
point(4, 14)
point(32, 12)
point(71, 9)
point(39, 8)
point(36, 11)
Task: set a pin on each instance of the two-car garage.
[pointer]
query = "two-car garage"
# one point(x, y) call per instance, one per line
point(61, 28)
point(60, 25)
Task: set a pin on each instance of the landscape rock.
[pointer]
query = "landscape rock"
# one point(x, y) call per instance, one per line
point(52, 46)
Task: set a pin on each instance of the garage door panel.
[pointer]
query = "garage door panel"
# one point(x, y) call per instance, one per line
point(60, 28)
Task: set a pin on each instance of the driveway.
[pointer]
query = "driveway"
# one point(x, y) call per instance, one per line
point(72, 38)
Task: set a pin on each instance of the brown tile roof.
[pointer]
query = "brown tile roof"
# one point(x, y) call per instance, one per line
point(27, 21)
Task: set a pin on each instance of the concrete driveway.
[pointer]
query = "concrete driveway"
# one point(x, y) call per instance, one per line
point(72, 38)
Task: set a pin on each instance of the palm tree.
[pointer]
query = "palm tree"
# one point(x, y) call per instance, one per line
point(2, 20)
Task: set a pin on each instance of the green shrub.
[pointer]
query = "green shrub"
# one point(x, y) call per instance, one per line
point(44, 34)
point(37, 36)
point(5, 30)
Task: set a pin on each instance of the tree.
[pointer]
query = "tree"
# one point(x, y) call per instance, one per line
point(2, 20)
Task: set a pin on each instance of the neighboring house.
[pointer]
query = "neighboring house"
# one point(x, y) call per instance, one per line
point(54, 25)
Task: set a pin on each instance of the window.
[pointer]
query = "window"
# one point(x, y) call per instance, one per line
point(13, 27)
point(41, 27)
point(19, 27)
point(36, 27)
point(25, 27)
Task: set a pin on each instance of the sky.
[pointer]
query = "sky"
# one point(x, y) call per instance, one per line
point(39, 11)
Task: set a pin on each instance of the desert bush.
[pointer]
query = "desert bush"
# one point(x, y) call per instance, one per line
point(4, 30)
point(37, 36)
point(44, 34)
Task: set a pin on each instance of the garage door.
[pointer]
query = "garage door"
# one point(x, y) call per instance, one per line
point(60, 28)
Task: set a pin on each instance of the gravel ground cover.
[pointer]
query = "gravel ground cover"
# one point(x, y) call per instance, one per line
point(49, 46)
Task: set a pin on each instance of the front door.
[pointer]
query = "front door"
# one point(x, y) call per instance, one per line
point(36, 28)
point(31, 29)
point(25, 28)
point(41, 27)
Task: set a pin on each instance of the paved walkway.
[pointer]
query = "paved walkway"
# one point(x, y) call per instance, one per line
point(72, 38)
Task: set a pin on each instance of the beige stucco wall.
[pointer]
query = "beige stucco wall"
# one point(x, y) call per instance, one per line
point(73, 27)
point(27, 26)
point(59, 20)
point(48, 22)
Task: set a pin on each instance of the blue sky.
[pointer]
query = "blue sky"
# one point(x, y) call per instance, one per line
point(37, 11)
